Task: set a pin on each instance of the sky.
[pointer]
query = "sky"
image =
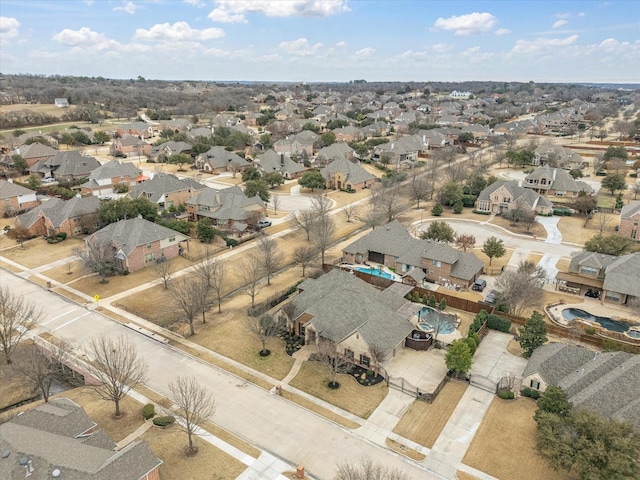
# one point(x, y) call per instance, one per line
point(324, 40)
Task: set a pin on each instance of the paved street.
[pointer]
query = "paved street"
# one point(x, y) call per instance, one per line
point(269, 422)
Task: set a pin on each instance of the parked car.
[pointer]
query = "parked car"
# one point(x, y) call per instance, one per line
point(264, 223)
point(490, 298)
point(49, 180)
point(479, 285)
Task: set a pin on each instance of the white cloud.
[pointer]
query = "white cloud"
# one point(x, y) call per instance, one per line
point(469, 24)
point(364, 52)
point(413, 55)
point(543, 44)
point(178, 32)
point(8, 29)
point(341, 44)
point(502, 31)
point(195, 3)
point(563, 15)
point(88, 2)
point(128, 7)
point(237, 9)
point(440, 47)
point(581, 14)
point(85, 37)
point(559, 23)
point(300, 47)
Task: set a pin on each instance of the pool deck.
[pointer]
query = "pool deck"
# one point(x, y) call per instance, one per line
point(594, 307)
point(372, 267)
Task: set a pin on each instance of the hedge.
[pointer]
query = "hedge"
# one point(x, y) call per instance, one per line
point(472, 345)
point(506, 395)
point(148, 411)
point(163, 421)
point(494, 322)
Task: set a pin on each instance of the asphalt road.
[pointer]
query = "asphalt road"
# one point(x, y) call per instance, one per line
point(269, 422)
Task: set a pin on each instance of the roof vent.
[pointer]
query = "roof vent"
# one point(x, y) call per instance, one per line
point(56, 473)
point(5, 454)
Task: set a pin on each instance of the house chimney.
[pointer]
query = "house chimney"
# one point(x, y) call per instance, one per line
point(282, 159)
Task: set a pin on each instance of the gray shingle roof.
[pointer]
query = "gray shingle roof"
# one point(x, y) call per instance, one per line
point(608, 383)
point(126, 235)
point(353, 173)
point(270, 161)
point(10, 190)
point(35, 150)
point(161, 184)
point(593, 260)
point(220, 157)
point(630, 210)
point(114, 168)
point(49, 436)
point(59, 211)
point(228, 204)
point(342, 304)
point(623, 275)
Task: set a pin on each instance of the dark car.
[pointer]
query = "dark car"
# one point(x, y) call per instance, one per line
point(490, 298)
point(479, 285)
point(264, 223)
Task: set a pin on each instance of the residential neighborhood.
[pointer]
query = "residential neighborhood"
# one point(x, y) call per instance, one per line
point(368, 263)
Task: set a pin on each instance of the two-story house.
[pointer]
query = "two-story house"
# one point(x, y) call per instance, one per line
point(612, 279)
point(629, 221)
point(505, 195)
point(345, 174)
point(219, 159)
point(270, 161)
point(229, 208)
point(415, 259)
point(166, 190)
point(15, 199)
point(557, 182)
point(160, 153)
point(75, 216)
point(104, 178)
point(130, 146)
point(69, 165)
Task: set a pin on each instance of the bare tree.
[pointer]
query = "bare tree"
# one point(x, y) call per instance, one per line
point(390, 203)
point(205, 269)
point(350, 211)
point(187, 297)
point(328, 353)
point(635, 189)
point(305, 220)
point(455, 173)
point(20, 234)
point(598, 161)
point(419, 188)
point(270, 255)
point(100, 259)
point(603, 221)
point(164, 270)
point(303, 255)
point(367, 470)
point(321, 205)
point(195, 405)
point(528, 219)
point(42, 365)
point(372, 218)
point(465, 240)
point(16, 316)
point(117, 366)
point(323, 232)
point(218, 282)
point(275, 203)
point(378, 355)
point(250, 275)
point(263, 327)
point(519, 290)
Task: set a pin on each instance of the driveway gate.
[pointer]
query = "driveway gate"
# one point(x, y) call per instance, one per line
point(484, 383)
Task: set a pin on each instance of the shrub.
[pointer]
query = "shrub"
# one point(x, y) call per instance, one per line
point(432, 301)
point(535, 394)
point(437, 210)
point(443, 304)
point(506, 395)
point(526, 392)
point(164, 421)
point(494, 322)
point(231, 242)
point(148, 411)
point(481, 212)
point(476, 337)
point(458, 207)
point(61, 236)
point(590, 330)
point(472, 345)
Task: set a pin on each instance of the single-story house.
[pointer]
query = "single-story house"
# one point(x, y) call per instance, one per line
point(392, 245)
point(352, 314)
point(15, 199)
point(605, 382)
point(69, 165)
point(136, 242)
point(270, 161)
point(75, 216)
point(160, 153)
point(219, 159)
point(226, 207)
point(59, 439)
point(35, 152)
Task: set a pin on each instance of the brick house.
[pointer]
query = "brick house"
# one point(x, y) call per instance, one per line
point(166, 191)
point(136, 242)
point(219, 159)
point(270, 161)
point(35, 152)
point(226, 207)
point(352, 314)
point(73, 217)
point(137, 129)
point(69, 165)
point(505, 195)
point(104, 178)
point(15, 199)
point(550, 181)
point(131, 146)
point(629, 220)
point(418, 261)
point(345, 174)
point(59, 439)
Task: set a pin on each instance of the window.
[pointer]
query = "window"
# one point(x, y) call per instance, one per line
point(349, 354)
point(560, 193)
point(364, 360)
point(436, 263)
point(588, 270)
point(543, 181)
point(303, 329)
point(149, 257)
point(635, 222)
point(172, 239)
point(612, 296)
point(149, 245)
point(535, 384)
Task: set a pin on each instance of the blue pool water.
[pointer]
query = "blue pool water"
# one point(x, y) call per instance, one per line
point(376, 272)
point(605, 322)
point(428, 316)
point(634, 333)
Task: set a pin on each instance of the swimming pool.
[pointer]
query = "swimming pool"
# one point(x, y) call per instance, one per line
point(605, 322)
point(377, 272)
point(429, 317)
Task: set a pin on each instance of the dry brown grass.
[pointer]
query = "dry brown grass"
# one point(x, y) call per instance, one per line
point(423, 422)
point(573, 228)
point(504, 445)
point(406, 451)
point(14, 387)
point(549, 298)
point(496, 264)
point(537, 231)
point(534, 258)
point(169, 445)
point(38, 252)
point(48, 108)
point(464, 476)
point(328, 414)
point(514, 348)
point(563, 264)
point(313, 379)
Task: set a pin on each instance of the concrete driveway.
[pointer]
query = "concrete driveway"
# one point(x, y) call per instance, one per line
point(550, 224)
point(493, 360)
point(424, 370)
